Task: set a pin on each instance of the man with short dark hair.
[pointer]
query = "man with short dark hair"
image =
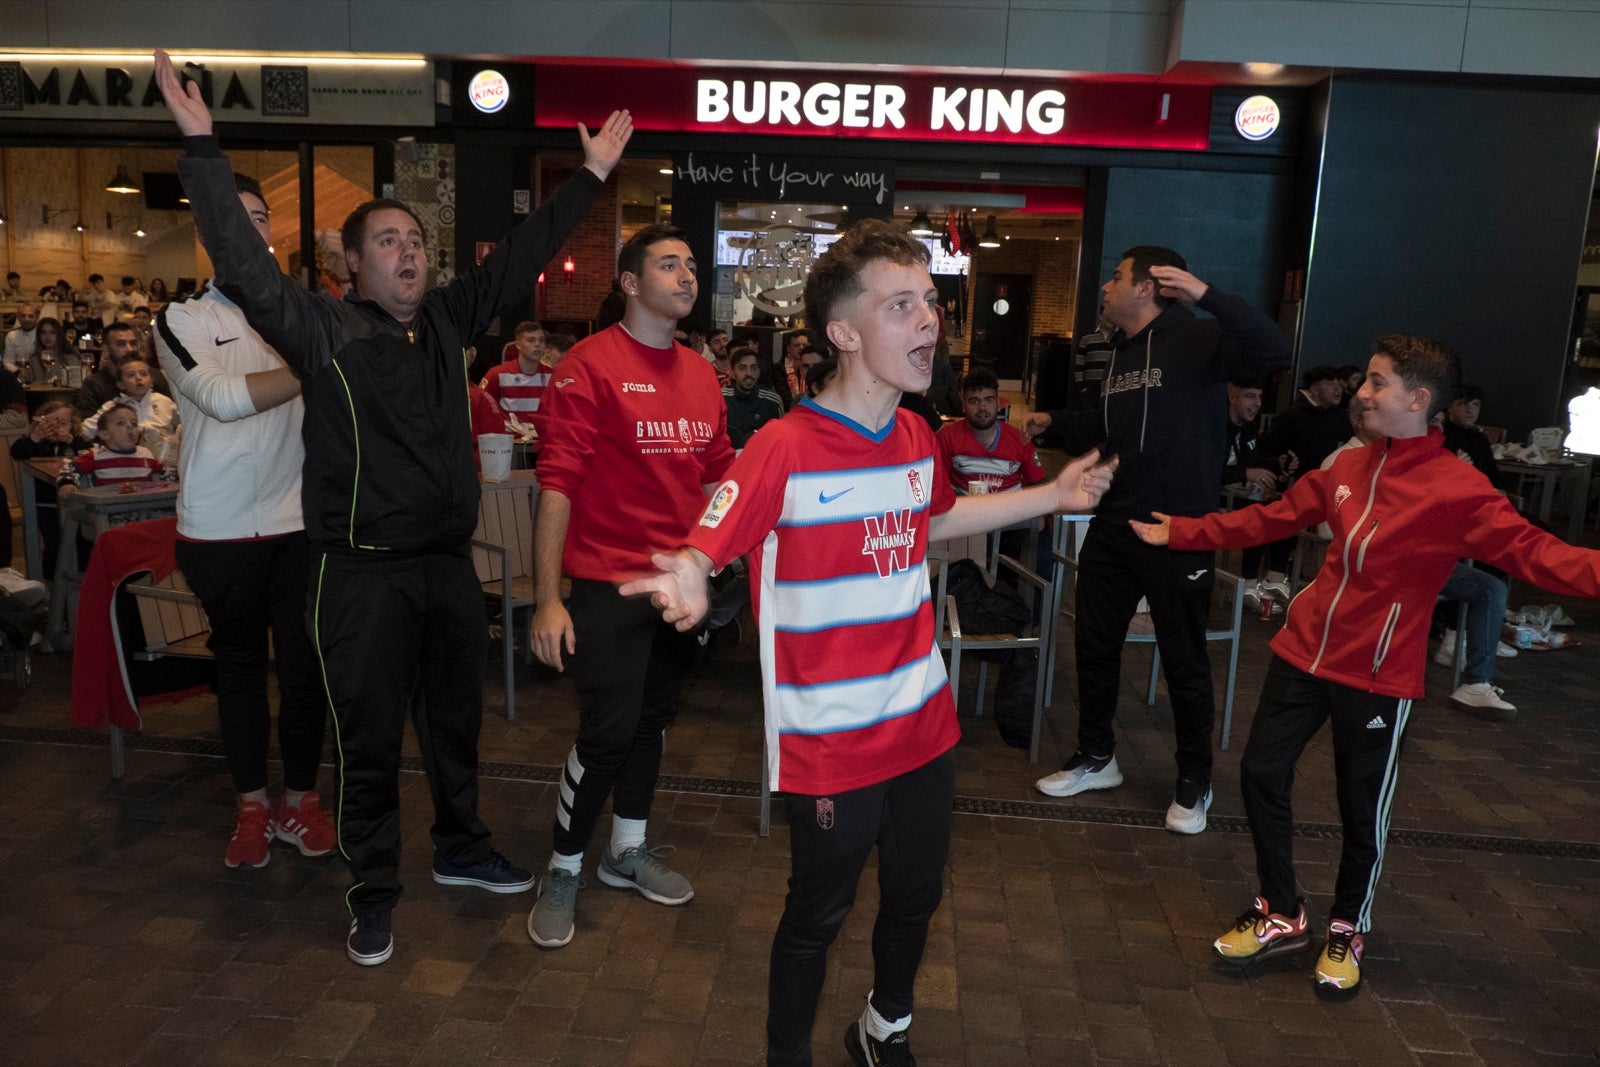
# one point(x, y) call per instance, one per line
point(1163, 411)
point(20, 339)
point(632, 432)
point(119, 341)
point(391, 495)
point(13, 289)
point(750, 407)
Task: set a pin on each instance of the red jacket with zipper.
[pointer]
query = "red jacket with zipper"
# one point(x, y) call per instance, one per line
point(1402, 511)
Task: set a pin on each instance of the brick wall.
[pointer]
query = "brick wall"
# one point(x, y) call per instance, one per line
point(593, 247)
point(1054, 267)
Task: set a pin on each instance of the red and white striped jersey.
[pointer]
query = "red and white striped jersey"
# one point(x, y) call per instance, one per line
point(1010, 464)
point(517, 393)
point(101, 467)
point(835, 518)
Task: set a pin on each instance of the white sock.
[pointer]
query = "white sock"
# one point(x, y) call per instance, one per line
point(293, 797)
point(570, 864)
point(626, 834)
point(877, 1027)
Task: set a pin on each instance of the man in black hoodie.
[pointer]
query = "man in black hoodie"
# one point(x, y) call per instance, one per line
point(1163, 413)
point(390, 495)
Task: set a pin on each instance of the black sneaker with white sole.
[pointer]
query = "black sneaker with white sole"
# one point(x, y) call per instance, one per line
point(1081, 774)
point(494, 872)
point(867, 1051)
point(371, 939)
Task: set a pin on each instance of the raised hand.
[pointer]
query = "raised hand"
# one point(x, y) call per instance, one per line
point(1179, 284)
point(1153, 533)
point(1035, 423)
point(188, 110)
point(602, 150)
point(1084, 481)
point(678, 590)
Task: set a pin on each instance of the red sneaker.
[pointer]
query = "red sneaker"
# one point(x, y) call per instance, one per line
point(305, 827)
point(252, 833)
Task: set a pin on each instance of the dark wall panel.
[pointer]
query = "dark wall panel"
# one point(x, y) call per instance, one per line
point(1457, 213)
point(1232, 228)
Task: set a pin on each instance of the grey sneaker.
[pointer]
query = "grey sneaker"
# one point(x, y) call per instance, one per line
point(1081, 774)
point(637, 868)
point(551, 922)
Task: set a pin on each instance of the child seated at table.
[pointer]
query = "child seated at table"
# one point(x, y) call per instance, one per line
point(117, 458)
point(156, 414)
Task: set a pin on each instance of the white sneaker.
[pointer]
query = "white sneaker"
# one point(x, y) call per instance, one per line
point(1278, 587)
point(1445, 654)
point(1182, 820)
point(1483, 699)
point(1252, 601)
point(1504, 651)
point(1080, 775)
point(24, 590)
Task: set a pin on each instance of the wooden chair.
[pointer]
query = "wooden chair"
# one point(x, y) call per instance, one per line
point(502, 556)
point(174, 625)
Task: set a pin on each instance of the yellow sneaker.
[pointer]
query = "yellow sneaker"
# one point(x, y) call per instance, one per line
point(1338, 972)
point(1260, 934)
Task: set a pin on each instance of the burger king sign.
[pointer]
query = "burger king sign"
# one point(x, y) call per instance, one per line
point(488, 91)
point(1257, 118)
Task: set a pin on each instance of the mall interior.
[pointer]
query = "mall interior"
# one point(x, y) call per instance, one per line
point(1349, 168)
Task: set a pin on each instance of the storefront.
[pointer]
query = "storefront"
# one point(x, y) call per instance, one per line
point(1023, 188)
point(87, 149)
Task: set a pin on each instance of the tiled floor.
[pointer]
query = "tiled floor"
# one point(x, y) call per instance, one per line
point(1072, 932)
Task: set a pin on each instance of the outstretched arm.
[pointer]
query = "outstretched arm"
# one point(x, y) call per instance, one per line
point(678, 590)
point(1077, 488)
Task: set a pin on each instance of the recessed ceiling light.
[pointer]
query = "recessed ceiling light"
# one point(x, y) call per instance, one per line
point(664, 170)
point(1264, 70)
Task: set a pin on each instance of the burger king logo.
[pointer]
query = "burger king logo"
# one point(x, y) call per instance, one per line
point(488, 91)
point(1257, 118)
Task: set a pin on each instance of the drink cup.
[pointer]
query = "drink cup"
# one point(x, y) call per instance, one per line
point(1267, 602)
point(494, 456)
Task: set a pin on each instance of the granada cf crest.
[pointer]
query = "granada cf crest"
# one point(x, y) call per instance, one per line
point(683, 432)
point(914, 476)
point(825, 813)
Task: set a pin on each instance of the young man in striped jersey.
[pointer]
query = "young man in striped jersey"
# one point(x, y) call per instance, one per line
point(1402, 511)
point(836, 504)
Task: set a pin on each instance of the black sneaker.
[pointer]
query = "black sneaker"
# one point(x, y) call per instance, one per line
point(867, 1051)
point(494, 872)
point(371, 939)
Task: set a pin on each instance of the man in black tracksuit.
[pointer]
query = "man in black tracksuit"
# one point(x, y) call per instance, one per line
point(1163, 413)
point(390, 496)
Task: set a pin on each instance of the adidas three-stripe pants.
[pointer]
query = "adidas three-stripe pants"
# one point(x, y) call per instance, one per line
point(1367, 731)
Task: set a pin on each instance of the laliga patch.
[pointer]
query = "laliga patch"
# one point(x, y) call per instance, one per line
point(721, 501)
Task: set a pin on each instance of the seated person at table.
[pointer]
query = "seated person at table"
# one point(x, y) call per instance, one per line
point(516, 385)
point(1464, 437)
point(750, 407)
point(117, 458)
point(120, 341)
point(20, 341)
point(157, 414)
point(52, 434)
point(979, 454)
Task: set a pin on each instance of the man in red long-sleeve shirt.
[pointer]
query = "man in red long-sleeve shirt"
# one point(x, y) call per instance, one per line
point(646, 412)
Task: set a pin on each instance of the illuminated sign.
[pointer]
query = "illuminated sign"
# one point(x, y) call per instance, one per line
point(1124, 113)
point(489, 91)
point(1257, 118)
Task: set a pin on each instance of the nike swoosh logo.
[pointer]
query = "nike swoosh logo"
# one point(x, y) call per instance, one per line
point(219, 342)
point(1196, 575)
point(824, 498)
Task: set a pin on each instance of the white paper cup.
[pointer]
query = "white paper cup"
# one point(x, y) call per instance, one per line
point(494, 456)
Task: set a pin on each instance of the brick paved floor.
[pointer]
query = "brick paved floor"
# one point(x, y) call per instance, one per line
point(1072, 932)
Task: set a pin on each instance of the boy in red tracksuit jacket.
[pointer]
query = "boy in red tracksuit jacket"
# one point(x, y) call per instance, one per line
point(1353, 648)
